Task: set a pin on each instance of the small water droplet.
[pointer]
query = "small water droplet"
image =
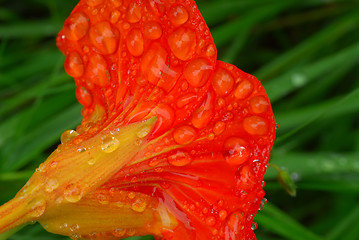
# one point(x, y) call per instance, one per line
point(68, 135)
point(139, 205)
point(210, 221)
point(119, 232)
point(144, 131)
point(73, 193)
point(182, 42)
point(91, 161)
point(179, 159)
point(254, 226)
point(110, 144)
point(51, 185)
point(37, 207)
point(102, 199)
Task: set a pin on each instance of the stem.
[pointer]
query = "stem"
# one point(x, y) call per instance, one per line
point(6, 235)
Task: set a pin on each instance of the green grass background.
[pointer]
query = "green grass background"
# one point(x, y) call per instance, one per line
point(305, 52)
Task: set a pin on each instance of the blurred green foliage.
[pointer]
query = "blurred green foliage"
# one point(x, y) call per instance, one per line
point(306, 53)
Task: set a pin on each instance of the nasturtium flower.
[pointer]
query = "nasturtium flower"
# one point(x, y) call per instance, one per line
point(173, 142)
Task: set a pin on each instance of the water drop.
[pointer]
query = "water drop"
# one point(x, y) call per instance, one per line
point(74, 65)
point(259, 104)
point(152, 30)
point(134, 42)
point(197, 72)
point(102, 199)
point(182, 42)
point(83, 96)
point(68, 135)
point(219, 127)
point(91, 161)
point(179, 159)
point(93, 3)
point(222, 214)
point(144, 131)
point(37, 207)
point(51, 185)
point(210, 221)
point(139, 205)
point(222, 82)
point(178, 15)
point(103, 37)
point(184, 134)
point(254, 226)
point(119, 232)
point(133, 12)
point(237, 151)
point(255, 125)
point(243, 89)
point(110, 144)
point(73, 193)
point(76, 26)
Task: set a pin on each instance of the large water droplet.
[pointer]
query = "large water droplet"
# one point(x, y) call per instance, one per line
point(37, 207)
point(182, 43)
point(178, 14)
point(68, 135)
point(144, 131)
point(73, 193)
point(76, 26)
point(152, 30)
point(258, 104)
point(210, 221)
point(255, 125)
point(110, 144)
point(139, 205)
point(179, 159)
point(51, 185)
point(222, 82)
point(197, 72)
point(243, 89)
point(74, 65)
point(103, 38)
point(134, 42)
point(184, 135)
point(133, 12)
point(237, 151)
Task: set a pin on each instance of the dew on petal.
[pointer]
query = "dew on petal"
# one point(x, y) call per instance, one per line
point(133, 12)
point(179, 159)
point(76, 26)
point(243, 89)
point(182, 42)
point(134, 42)
point(119, 232)
point(115, 16)
point(184, 135)
point(97, 70)
point(110, 144)
point(144, 131)
point(74, 65)
point(178, 15)
point(139, 205)
point(37, 207)
point(258, 104)
point(237, 151)
point(73, 193)
point(103, 38)
point(51, 185)
point(255, 125)
point(222, 215)
point(186, 99)
point(222, 82)
point(68, 135)
point(83, 96)
point(93, 3)
point(210, 221)
point(219, 127)
point(197, 72)
point(152, 30)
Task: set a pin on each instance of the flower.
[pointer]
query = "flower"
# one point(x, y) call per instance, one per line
point(173, 142)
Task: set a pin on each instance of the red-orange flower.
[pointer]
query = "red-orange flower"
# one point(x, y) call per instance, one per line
point(173, 142)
